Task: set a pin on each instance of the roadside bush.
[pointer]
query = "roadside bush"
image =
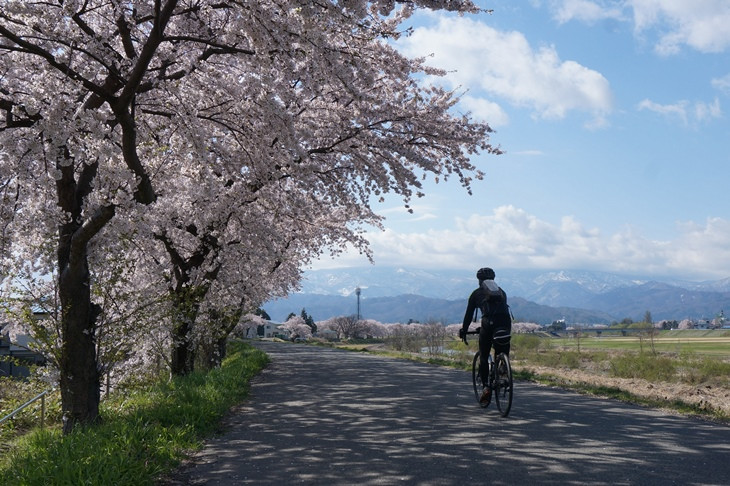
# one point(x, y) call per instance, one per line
point(560, 359)
point(524, 345)
point(644, 365)
point(707, 370)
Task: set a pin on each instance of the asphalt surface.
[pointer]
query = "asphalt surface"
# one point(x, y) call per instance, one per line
point(321, 416)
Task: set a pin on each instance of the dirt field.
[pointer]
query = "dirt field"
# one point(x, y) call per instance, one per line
point(704, 396)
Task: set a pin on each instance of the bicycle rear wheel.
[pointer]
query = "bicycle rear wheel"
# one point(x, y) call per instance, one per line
point(476, 378)
point(503, 386)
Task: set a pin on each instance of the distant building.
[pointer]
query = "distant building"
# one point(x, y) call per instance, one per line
point(703, 324)
point(22, 357)
point(268, 330)
point(327, 334)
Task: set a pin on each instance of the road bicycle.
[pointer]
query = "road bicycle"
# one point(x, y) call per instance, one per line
point(499, 379)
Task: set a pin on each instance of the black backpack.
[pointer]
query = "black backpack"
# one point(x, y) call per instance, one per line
point(496, 316)
point(495, 310)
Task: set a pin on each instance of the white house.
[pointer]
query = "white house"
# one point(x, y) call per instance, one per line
point(270, 330)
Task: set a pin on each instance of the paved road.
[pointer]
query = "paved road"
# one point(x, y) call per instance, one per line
point(321, 416)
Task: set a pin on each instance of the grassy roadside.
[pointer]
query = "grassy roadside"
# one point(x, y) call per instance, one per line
point(143, 434)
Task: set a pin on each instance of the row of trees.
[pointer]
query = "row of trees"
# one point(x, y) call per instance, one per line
point(402, 337)
point(166, 166)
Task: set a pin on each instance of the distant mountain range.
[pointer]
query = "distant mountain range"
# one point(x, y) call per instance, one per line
point(392, 294)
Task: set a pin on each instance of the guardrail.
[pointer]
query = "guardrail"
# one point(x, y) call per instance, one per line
point(41, 397)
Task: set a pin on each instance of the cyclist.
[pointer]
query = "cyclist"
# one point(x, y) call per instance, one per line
point(496, 323)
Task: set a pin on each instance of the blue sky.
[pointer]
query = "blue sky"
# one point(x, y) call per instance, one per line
point(615, 120)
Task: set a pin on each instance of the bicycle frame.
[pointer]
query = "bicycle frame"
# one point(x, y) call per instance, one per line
point(499, 379)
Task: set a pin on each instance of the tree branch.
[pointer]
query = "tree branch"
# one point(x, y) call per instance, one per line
point(145, 193)
point(63, 68)
point(156, 36)
point(126, 36)
point(88, 230)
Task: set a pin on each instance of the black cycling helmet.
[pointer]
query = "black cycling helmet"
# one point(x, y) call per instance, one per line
point(485, 273)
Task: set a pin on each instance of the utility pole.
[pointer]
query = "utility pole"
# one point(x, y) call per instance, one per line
point(357, 292)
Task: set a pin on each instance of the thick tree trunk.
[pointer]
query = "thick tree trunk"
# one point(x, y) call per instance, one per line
point(186, 302)
point(222, 325)
point(182, 360)
point(80, 387)
point(79, 372)
point(211, 354)
point(220, 355)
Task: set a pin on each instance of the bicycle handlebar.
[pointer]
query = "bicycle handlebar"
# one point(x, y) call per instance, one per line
point(475, 331)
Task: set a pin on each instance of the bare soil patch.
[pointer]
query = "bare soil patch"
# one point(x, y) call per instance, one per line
point(704, 396)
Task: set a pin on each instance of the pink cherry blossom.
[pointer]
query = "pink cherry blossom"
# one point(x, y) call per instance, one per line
point(167, 166)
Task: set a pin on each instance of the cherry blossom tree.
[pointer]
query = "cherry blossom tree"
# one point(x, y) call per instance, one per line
point(297, 327)
point(227, 275)
point(131, 312)
point(374, 328)
point(405, 337)
point(453, 329)
point(434, 335)
point(525, 327)
point(166, 121)
point(348, 327)
point(248, 325)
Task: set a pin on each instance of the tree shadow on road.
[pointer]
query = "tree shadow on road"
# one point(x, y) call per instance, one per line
point(324, 416)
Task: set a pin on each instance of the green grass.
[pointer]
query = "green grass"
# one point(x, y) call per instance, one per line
point(13, 394)
point(143, 434)
point(710, 343)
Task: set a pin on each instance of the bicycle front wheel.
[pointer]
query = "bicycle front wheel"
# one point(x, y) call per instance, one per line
point(476, 378)
point(503, 386)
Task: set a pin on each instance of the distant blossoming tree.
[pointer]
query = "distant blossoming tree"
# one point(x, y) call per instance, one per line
point(525, 327)
point(297, 327)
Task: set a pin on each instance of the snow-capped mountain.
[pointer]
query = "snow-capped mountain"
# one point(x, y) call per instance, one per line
point(598, 295)
point(453, 284)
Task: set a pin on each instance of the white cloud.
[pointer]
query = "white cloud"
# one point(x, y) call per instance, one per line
point(699, 24)
point(722, 84)
point(705, 111)
point(698, 111)
point(702, 247)
point(512, 238)
point(678, 110)
point(504, 67)
point(485, 110)
point(585, 11)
